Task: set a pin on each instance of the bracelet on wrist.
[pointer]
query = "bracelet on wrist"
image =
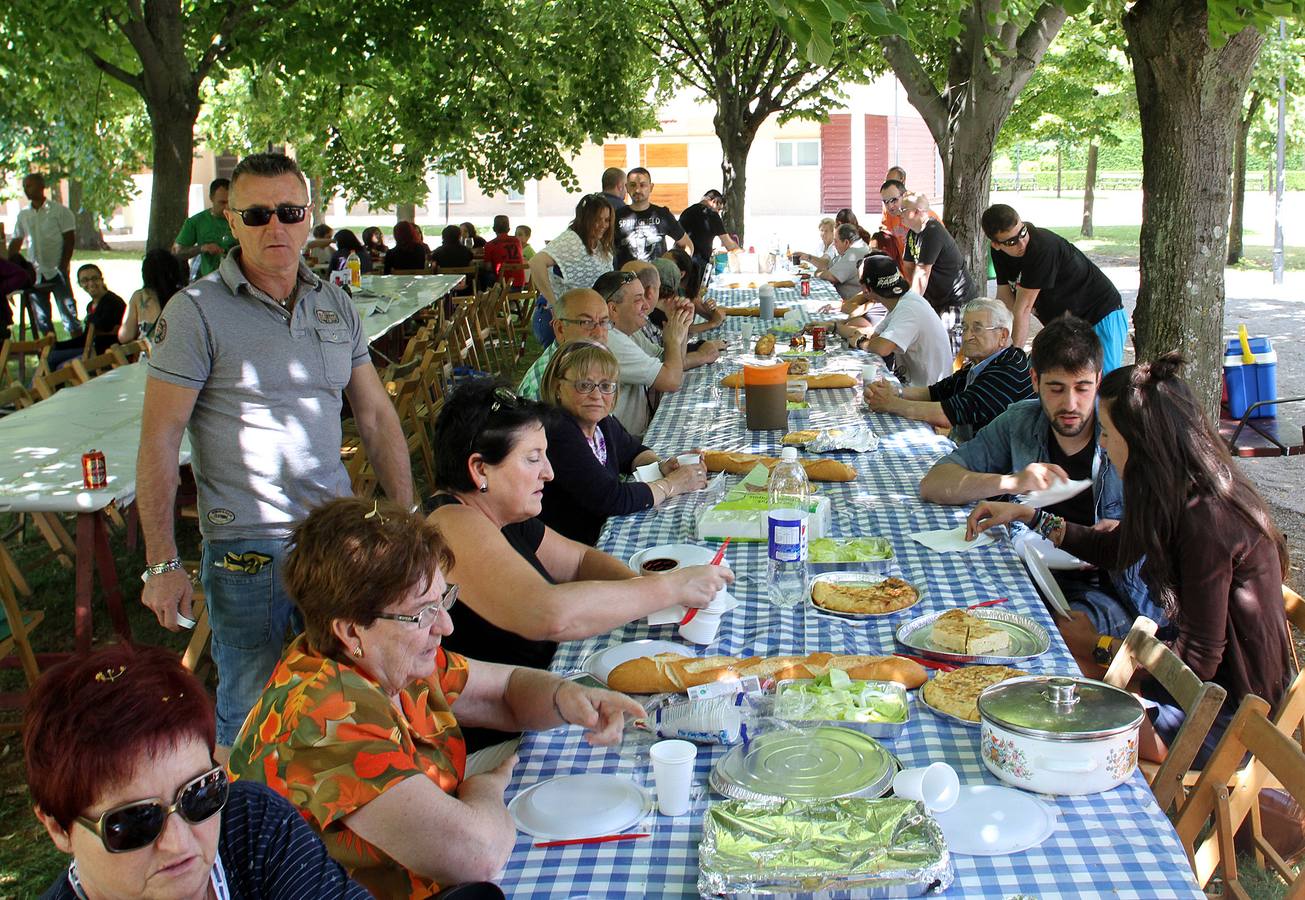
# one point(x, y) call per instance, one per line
point(1048, 524)
point(168, 565)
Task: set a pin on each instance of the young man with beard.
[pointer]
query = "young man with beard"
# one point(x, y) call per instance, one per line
point(1039, 442)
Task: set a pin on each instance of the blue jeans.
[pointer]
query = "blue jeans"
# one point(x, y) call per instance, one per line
point(541, 323)
point(1113, 332)
point(1111, 600)
point(39, 302)
point(250, 614)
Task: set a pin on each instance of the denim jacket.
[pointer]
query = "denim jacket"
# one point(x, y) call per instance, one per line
point(1020, 436)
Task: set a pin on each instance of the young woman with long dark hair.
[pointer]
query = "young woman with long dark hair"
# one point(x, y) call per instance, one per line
point(1213, 557)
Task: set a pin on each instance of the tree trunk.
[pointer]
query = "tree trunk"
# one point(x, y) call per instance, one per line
point(172, 122)
point(405, 212)
point(1089, 190)
point(736, 139)
point(967, 178)
point(1189, 96)
point(1239, 178)
point(1059, 162)
point(319, 200)
point(88, 235)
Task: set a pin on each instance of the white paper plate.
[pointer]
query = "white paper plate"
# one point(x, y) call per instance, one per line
point(1055, 558)
point(684, 554)
point(601, 663)
point(1036, 563)
point(989, 820)
point(1057, 493)
point(579, 806)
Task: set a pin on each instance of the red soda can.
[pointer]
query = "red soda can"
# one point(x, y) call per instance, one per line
point(95, 475)
point(806, 286)
point(818, 337)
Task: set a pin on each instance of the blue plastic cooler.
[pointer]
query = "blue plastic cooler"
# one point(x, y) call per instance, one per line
point(1251, 383)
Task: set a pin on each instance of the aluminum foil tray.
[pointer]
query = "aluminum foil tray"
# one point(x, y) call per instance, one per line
point(818, 851)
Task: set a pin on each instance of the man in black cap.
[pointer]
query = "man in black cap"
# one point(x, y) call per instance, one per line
point(702, 223)
point(911, 333)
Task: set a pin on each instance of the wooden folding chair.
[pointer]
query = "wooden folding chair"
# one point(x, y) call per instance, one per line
point(202, 631)
point(407, 395)
point(88, 347)
point(19, 351)
point(1200, 700)
point(16, 396)
point(46, 385)
point(470, 282)
point(22, 622)
point(88, 367)
point(124, 354)
point(1227, 795)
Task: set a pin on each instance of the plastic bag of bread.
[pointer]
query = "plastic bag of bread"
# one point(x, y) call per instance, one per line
point(669, 672)
point(743, 463)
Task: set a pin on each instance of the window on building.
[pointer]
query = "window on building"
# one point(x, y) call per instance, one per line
point(797, 153)
point(449, 187)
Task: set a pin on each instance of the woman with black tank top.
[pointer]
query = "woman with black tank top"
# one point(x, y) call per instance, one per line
point(523, 586)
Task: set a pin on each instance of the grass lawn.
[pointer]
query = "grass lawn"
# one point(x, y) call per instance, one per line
point(1119, 242)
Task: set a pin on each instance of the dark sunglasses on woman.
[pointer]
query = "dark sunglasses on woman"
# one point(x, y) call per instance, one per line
point(138, 824)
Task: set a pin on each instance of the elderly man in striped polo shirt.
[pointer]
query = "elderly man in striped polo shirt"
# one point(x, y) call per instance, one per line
point(995, 376)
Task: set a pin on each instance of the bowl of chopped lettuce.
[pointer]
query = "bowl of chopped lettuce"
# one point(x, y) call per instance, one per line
point(864, 554)
point(879, 709)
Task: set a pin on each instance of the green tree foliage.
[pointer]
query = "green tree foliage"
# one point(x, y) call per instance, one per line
point(96, 141)
point(741, 57)
point(504, 90)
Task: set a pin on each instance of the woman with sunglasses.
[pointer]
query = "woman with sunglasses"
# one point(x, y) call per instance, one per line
point(359, 725)
point(118, 741)
point(524, 586)
point(589, 449)
point(573, 259)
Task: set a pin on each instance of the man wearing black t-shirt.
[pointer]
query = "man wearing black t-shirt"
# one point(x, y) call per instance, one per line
point(642, 228)
point(1038, 443)
point(1038, 271)
point(702, 223)
point(933, 263)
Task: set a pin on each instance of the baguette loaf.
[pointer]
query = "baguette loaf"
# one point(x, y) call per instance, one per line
point(780, 311)
point(816, 381)
point(669, 672)
point(824, 469)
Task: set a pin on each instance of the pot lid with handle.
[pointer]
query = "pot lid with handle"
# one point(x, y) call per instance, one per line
point(1060, 708)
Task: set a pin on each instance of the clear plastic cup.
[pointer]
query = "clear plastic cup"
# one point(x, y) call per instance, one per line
point(672, 765)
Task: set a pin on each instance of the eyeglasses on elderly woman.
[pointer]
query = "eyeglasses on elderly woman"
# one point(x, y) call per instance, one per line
point(427, 615)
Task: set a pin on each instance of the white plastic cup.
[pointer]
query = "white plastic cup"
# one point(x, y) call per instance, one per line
point(672, 765)
point(936, 786)
point(747, 334)
point(689, 459)
point(870, 374)
point(702, 628)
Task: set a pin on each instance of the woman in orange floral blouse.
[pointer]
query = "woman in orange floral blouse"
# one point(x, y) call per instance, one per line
point(359, 725)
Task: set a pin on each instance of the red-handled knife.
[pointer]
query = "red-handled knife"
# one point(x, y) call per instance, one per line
point(715, 561)
point(930, 663)
point(988, 603)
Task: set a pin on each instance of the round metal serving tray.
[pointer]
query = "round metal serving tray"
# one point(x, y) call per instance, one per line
point(806, 764)
point(1028, 639)
point(859, 579)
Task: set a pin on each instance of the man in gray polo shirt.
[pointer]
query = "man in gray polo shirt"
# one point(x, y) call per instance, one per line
point(252, 359)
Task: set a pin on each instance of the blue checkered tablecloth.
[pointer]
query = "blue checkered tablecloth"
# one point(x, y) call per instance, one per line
point(1114, 844)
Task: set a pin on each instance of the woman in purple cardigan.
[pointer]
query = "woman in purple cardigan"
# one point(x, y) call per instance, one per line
point(1214, 558)
point(590, 450)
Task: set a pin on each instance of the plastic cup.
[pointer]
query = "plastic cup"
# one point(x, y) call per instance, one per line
point(702, 628)
point(870, 374)
point(689, 459)
point(936, 786)
point(672, 765)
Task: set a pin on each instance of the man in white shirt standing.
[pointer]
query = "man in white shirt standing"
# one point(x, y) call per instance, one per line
point(911, 333)
point(52, 230)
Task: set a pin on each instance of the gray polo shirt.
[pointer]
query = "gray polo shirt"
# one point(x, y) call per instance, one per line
point(265, 431)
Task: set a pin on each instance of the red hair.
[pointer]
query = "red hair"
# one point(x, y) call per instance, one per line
point(887, 242)
point(91, 721)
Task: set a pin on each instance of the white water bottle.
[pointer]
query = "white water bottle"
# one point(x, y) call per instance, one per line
point(786, 530)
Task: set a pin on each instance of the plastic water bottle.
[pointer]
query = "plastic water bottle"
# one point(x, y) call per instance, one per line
point(354, 265)
point(786, 526)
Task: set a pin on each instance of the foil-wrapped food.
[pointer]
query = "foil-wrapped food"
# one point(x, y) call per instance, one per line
point(876, 848)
